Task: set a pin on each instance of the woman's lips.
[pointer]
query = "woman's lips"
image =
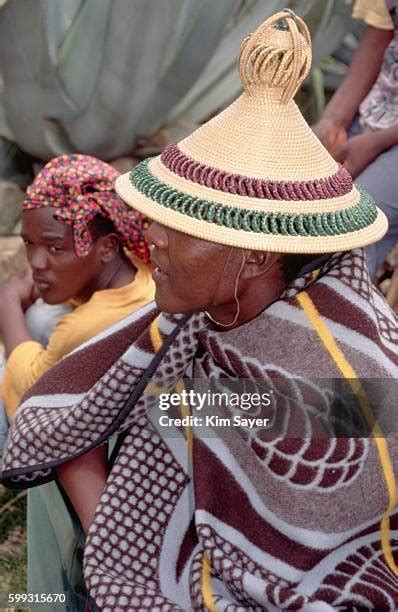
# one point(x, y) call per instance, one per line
point(42, 285)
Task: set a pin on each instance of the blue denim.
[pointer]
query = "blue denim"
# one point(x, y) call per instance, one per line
point(3, 427)
point(380, 179)
point(52, 525)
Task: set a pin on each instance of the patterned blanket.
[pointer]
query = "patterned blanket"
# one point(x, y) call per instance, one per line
point(221, 517)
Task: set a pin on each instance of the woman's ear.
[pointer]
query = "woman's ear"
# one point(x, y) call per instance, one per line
point(258, 262)
point(108, 247)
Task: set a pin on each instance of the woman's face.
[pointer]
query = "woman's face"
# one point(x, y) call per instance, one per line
point(191, 274)
point(58, 273)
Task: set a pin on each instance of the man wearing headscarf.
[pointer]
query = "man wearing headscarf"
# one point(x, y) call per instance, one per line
point(83, 244)
point(85, 247)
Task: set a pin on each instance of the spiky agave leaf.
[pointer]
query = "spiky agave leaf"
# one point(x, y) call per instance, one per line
point(159, 55)
point(92, 75)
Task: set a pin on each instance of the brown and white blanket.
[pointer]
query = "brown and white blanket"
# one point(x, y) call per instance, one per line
point(231, 518)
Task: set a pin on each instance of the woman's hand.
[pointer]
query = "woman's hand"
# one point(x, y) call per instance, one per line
point(332, 135)
point(358, 152)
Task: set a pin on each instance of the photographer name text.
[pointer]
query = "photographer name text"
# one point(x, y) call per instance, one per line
point(212, 421)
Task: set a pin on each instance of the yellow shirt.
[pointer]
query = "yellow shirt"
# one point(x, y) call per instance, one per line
point(29, 360)
point(374, 13)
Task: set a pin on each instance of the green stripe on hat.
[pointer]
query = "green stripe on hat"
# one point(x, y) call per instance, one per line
point(335, 223)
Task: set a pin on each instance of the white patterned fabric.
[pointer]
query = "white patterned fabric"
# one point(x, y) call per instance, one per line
point(379, 109)
point(253, 519)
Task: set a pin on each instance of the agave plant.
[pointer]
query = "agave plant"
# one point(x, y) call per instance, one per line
point(93, 75)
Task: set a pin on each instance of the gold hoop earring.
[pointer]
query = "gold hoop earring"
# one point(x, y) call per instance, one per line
point(208, 315)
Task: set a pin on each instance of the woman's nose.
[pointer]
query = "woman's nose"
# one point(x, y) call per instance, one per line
point(156, 235)
point(37, 258)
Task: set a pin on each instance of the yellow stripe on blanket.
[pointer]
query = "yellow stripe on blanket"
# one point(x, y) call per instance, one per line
point(207, 592)
point(155, 335)
point(349, 373)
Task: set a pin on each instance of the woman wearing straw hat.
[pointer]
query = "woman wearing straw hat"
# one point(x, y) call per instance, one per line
point(252, 237)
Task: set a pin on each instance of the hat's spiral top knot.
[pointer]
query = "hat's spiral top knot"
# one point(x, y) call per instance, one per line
point(276, 56)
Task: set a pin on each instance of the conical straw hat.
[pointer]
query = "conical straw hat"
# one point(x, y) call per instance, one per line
point(256, 176)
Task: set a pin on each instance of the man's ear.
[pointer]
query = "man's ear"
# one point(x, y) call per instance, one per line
point(108, 247)
point(258, 263)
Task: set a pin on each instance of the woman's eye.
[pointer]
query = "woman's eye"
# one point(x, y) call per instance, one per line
point(26, 242)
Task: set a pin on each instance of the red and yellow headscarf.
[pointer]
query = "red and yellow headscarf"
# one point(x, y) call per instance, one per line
point(81, 187)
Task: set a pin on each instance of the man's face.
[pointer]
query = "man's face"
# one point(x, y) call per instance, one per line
point(191, 274)
point(58, 273)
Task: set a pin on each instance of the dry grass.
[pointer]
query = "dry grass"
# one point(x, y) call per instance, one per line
point(12, 542)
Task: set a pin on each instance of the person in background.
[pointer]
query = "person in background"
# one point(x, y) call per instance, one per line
point(360, 124)
point(247, 215)
point(87, 248)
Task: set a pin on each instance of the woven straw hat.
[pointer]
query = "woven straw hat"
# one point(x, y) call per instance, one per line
point(256, 176)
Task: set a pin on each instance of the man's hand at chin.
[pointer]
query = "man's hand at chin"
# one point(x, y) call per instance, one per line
point(18, 291)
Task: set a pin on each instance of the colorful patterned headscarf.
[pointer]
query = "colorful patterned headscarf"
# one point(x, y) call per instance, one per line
point(81, 187)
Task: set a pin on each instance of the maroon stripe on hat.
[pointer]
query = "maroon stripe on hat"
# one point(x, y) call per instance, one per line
point(319, 189)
